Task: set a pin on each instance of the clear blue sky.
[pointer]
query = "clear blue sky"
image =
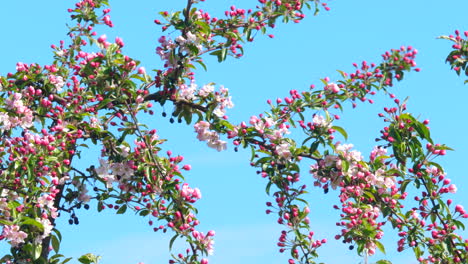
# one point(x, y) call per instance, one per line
point(233, 202)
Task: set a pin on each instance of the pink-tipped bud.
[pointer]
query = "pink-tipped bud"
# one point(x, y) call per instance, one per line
point(119, 41)
point(102, 39)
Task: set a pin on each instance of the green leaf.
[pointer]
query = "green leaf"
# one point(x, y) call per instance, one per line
point(433, 217)
point(144, 212)
point(89, 259)
point(314, 146)
point(66, 260)
point(383, 261)
point(443, 147)
point(342, 131)
point(403, 186)
point(249, 34)
point(172, 241)
point(380, 246)
point(306, 140)
point(188, 117)
point(202, 64)
point(252, 148)
point(37, 251)
point(13, 204)
point(369, 195)
point(344, 166)
point(222, 55)
point(122, 209)
point(268, 187)
point(459, 224)
point(342, 73)
point(422, 131)
point(100, 206)
point(33, 222)
point(417, 183)
point(55, 243)
point(193, 49)
point(5, 222)
point(444, 245)
point(417, 252)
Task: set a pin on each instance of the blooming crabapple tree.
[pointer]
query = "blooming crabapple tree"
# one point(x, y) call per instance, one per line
point(458, 58)
point(94, 94)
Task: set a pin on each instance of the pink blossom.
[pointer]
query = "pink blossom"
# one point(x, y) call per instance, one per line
point(57, 81)
point(191, 37)
point(83, 194)
point(332, 87)
point(187, 92)
point(14, 235)
point(283, 150)
point(103, 173)
point(202, 125)
point(319, 120)
point(207, 241)
point(47, 227)
point(269, 122)
point(377, 152)
point(452, 188)
point(45, 200)
point(219, 145)
point(197, 193)
point(212, 138)
point(189, 193)
point(206, 90)
point(370, 246)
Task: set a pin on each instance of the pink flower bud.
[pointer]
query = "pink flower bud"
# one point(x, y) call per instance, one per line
point(142, 70)
point(452, 188)
point(119, 41)
point(102, 39)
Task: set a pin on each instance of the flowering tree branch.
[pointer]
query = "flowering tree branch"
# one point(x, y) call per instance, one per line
point(51, 113)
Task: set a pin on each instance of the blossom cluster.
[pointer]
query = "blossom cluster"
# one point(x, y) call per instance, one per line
point(207, 95)
point(19, 114)
point(112, 172)
point(14, 235)
point(206, 240)
point(204, 133)
point(347, 172)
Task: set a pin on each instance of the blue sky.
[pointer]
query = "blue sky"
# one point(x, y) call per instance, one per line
point(233, 202)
